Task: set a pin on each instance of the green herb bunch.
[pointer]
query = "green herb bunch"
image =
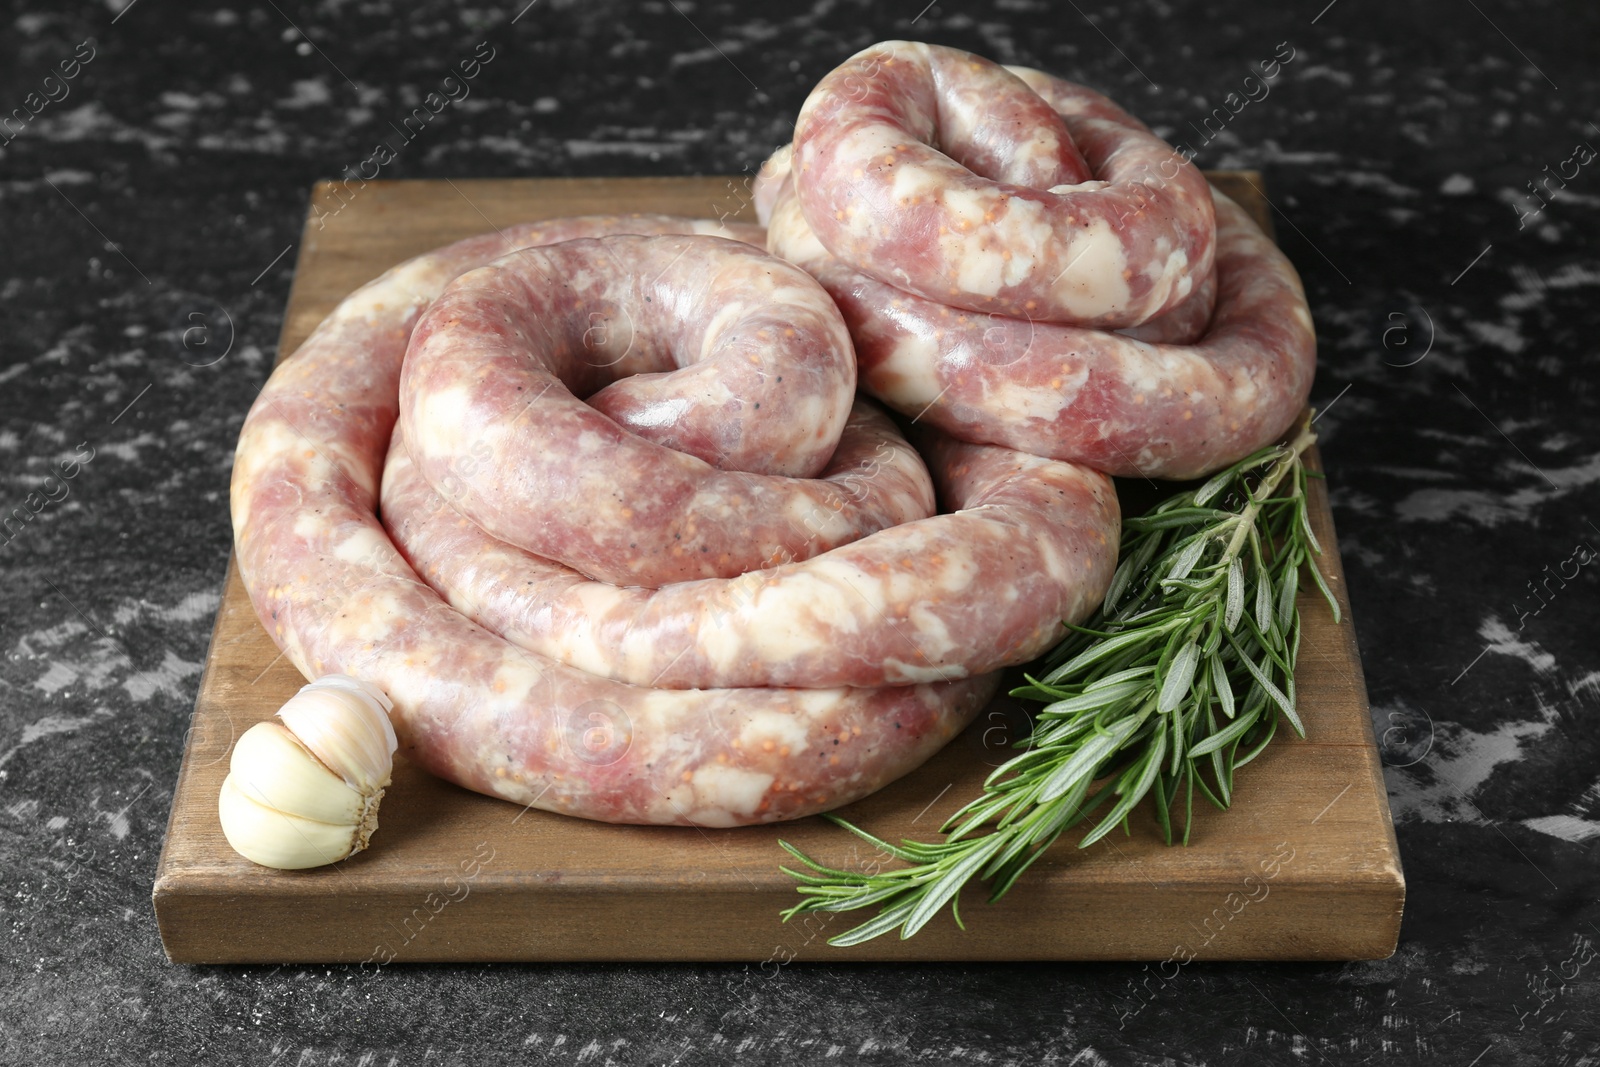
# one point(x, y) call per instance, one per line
point(1178, 680)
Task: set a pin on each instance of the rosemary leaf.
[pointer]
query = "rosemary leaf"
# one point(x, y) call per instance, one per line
point(1235, 604)
point(1180, 676)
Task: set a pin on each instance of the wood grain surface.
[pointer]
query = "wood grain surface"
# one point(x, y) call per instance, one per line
point(453, 875)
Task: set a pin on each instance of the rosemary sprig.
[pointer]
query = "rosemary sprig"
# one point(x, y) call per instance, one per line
point(1177, 681)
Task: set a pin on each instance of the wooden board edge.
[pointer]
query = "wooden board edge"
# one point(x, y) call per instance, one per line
point(309, 246)
point(1321, 506)
point(170, 875)
point(508, 927)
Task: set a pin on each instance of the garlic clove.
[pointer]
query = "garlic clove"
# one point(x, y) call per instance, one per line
point(274, 769)
point(345, 723)
point(305, 792)
point(278, 839)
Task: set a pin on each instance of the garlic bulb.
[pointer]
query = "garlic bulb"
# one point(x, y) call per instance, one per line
point(305, 792)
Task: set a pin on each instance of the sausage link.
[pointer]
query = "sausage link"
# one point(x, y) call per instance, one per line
point(336, 596)
point(1066, 218)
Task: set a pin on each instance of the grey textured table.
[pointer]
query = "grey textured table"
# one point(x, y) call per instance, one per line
point(148, 214)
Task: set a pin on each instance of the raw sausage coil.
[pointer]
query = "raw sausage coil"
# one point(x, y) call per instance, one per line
point(336, 593)
point(1213, 377)
point(332, 590)
point(944, 175)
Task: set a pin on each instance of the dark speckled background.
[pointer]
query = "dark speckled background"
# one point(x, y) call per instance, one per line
point(1458, 373)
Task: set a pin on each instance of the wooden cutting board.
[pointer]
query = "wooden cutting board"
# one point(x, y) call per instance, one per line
point(1303, 867)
